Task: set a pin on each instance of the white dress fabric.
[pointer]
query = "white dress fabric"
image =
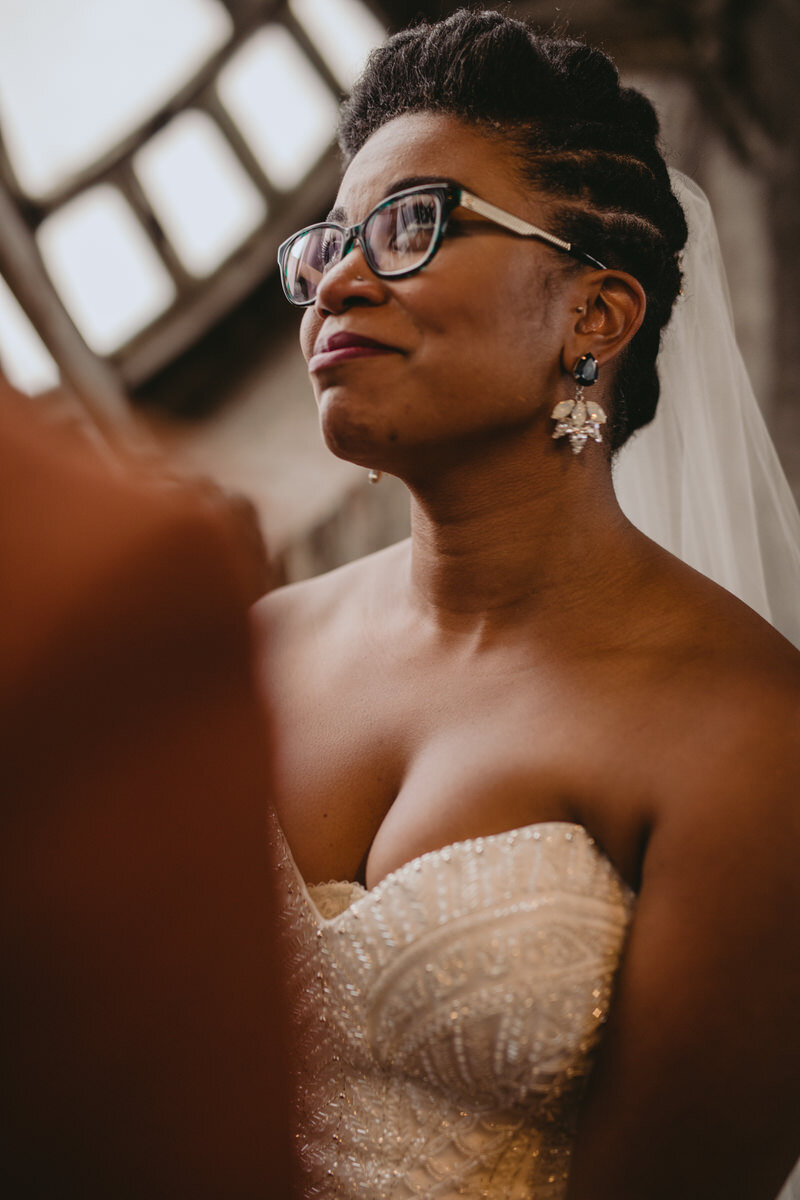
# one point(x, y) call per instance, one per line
point(446, 1018)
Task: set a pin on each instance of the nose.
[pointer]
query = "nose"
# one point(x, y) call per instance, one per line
point(349, 282)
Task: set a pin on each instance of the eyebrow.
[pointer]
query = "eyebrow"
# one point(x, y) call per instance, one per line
point(339, 215)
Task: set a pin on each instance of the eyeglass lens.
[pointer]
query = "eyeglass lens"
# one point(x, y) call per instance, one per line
point(397, 238)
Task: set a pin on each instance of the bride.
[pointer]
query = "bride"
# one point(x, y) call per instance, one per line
point(551, 768)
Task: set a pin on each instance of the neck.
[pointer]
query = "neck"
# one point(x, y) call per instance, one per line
point(505, 536)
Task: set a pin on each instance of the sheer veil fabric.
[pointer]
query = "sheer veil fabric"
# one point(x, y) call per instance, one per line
point(703, 479)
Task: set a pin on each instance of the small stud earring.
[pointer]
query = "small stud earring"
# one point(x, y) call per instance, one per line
point(580, 419)
point(375, 476)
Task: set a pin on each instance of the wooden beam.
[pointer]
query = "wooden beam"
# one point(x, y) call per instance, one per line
point(21, 265)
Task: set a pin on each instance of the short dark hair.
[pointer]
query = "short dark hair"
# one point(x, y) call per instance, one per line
point(579, 136)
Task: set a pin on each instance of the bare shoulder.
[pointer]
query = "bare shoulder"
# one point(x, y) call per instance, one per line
point(732, 707)
point(734, 795)
point(703, 1032)
point(734, 806)
point(304, 610)
point(315, 637)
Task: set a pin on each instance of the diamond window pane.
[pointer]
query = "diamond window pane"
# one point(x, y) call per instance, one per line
point(280, 103)
point(104, 268)
point(107, 65)
point(206, 202)
point(24, 358)
point(344, 32)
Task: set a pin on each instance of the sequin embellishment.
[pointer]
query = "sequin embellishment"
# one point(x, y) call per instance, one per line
point(445, 1019)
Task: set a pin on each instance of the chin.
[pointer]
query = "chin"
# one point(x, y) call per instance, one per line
point(346, 435)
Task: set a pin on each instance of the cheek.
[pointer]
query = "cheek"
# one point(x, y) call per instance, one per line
point(493, 324)
point(492, 295)
point(309, 328)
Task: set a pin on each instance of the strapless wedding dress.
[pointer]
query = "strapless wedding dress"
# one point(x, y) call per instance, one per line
point(446, 1018)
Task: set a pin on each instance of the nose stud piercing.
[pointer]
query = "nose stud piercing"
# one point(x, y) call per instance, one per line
point(375, 476)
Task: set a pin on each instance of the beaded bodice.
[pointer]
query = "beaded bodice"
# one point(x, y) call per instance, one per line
point(446, 1018)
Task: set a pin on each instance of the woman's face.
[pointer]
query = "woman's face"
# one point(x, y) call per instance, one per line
point(472, 342)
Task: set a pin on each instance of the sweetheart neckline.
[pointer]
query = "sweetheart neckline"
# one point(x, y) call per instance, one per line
point(414, 863)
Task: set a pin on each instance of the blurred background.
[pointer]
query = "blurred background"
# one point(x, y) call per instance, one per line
point(154, 153)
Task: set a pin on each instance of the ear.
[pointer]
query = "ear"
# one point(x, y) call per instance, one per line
point(607, 310)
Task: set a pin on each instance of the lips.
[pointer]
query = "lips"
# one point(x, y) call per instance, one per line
point(334, 348)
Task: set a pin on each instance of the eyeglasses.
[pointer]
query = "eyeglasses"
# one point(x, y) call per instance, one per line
point(400, 236)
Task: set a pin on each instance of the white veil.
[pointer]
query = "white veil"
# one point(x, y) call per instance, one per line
point(703, 479)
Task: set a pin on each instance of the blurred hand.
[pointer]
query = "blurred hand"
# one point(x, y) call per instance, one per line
point(144, 457)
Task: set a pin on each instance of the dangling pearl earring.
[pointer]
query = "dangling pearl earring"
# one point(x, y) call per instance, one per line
point(580, 419)
point(375, 476)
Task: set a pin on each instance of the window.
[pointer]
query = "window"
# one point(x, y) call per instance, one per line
point(201, 194)
point(78, 76)
point(270, 77)
point(171, 150)
point(104, 269)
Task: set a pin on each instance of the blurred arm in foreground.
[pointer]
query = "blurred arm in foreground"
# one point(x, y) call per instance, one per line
point(143, 1048)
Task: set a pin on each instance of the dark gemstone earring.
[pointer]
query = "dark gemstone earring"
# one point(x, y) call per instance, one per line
point(585, 370)
point(580, 419)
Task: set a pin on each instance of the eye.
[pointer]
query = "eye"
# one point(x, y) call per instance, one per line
point(329, 245)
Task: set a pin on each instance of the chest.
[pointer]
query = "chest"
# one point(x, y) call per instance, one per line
point(377, 766)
